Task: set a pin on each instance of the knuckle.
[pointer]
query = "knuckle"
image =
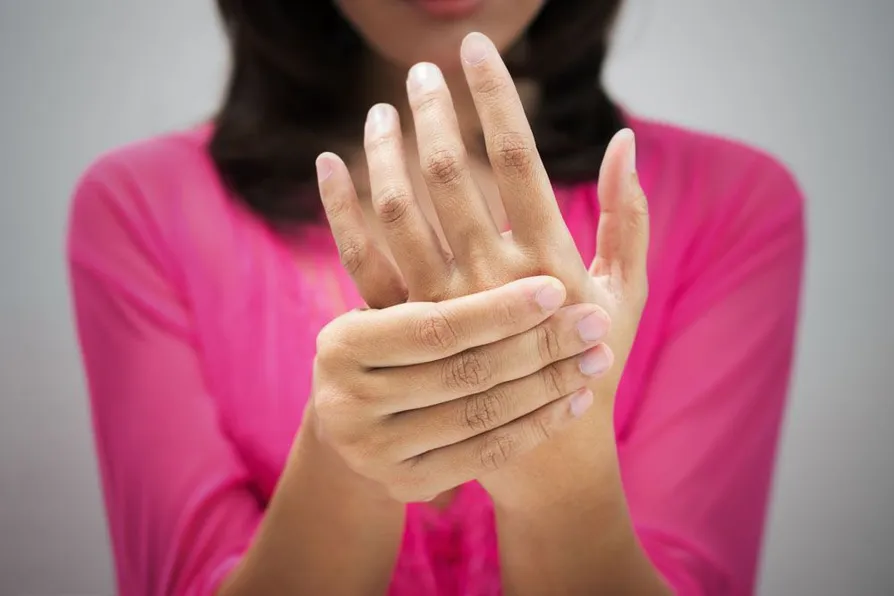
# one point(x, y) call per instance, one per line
point(467, 371)
point(378, 446)
point(436, 332)
point(482, 411)
point(541, 428)
point(393, 203)
point(433, 291)
point(506, 315)
point(338, 205)
point(327, 398)
point(327, 404)
point(491, 85)
point(380, 143)
point(496, 450)
point(444, 167)
point(428, 102)
point(639, 204)
point(547, 343)
point(329, 340)
point(554, 383)
point(542, 258)
point(513, 151)
point(353, 252)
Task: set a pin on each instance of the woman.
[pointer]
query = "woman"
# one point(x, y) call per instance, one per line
point(261, 432)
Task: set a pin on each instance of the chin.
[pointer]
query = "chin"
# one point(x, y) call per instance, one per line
point(405, 32)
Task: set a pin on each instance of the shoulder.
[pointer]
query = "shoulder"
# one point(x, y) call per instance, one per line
point(719, 209)
point(142, 181)
point(712, 174)
point(156, 198)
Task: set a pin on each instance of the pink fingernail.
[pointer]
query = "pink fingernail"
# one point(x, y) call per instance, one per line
point(593, 327)
point(595, 362)
point(581, 402)
point(380, 120)
point(550, 297)
point(424, 77)
point(475, 48)
point(324, 167)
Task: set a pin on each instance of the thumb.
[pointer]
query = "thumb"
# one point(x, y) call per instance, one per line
point(622, 239)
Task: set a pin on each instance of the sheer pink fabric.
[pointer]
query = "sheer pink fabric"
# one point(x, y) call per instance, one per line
point(197, 326)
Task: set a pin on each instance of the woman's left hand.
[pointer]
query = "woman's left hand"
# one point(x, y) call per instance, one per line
point(479, 256)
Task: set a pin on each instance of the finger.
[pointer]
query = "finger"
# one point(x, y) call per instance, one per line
point(524, 185)
point(377, 279)
point(623, 236)
point(413, 242)
point(462, 211)
point(570, 331)
point(418, 332)
point(450, 466)
point(454, 421)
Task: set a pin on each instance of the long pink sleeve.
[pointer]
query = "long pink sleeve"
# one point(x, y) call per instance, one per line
point(179, 507)
point(697, 452)
point(198, 324)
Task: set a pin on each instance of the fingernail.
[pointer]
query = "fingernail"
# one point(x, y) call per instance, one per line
point(475, 48)
point(379, 120)
point(595, 362)
point(631, 153)
point(550, 297)
point(592, 327)
point(324, 167)
point(581, 402)
point(424, 77)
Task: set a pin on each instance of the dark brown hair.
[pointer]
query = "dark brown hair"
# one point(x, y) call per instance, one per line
point(286, 100)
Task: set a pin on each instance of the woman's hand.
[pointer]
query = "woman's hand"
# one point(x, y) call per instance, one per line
point(422, 397)
point(478, 256)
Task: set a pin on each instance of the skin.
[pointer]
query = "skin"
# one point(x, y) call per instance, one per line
point(387, 426)
point(435, 40)
point(457, 380)
point(468, 366)
point(582, 513)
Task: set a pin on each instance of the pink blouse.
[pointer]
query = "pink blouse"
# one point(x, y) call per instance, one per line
point(197, 329)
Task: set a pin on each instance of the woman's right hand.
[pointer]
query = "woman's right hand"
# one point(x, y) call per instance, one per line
point(422, 397)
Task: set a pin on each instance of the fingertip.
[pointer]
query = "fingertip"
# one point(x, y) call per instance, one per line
point(597, 361)
point(622, 145)
point(326, 163)
point(595, 325)
point(475, 48)
point(550, 295)
point(580, 402)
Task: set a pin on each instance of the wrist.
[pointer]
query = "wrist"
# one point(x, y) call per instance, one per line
point(300, 546)
point(579, 536)
point(578, 466)
point(313, 456)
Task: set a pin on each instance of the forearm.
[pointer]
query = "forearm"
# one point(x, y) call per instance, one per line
point(574, 537)
point(326, 531)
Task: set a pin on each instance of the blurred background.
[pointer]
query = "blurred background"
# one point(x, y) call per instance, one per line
point(812, 81)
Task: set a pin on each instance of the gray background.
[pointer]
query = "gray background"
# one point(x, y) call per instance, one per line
point(810, 80)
